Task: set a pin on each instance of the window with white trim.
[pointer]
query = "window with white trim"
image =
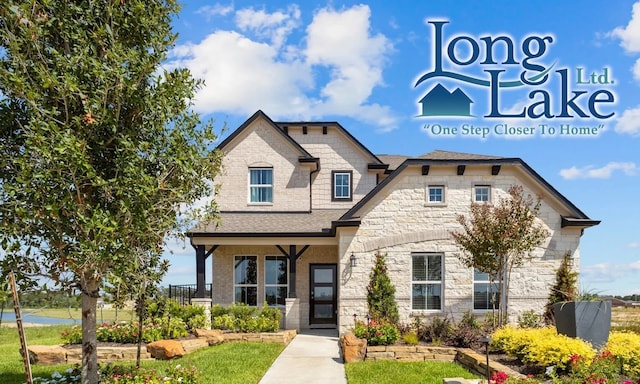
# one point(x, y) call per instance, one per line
point(485, 293)
point(276, 280)
point(435, 194)
point(482, 194)
point(261, 185)
point(426, 281)
point(341, 185)
point(245, 280)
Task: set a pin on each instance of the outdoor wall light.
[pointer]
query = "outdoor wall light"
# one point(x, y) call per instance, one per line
point(352, 259)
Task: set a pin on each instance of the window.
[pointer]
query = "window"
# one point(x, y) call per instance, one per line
point(341, 185)
point(261, 185)
point(484, 293)
point(482, 193)
point(436, 194)
point(275, 280)
point(426, 284)
point(246, 280)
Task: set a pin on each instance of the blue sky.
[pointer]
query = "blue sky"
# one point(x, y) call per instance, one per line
point(357, 63)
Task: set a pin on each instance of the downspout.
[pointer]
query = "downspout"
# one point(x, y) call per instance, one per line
point(310, 186)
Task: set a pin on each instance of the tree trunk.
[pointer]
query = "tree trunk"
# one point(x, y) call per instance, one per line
point(89, 296)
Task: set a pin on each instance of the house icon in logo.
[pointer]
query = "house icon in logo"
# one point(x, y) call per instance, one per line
point(440, 102)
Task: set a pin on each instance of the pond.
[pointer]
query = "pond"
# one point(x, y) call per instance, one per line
point(28, 317)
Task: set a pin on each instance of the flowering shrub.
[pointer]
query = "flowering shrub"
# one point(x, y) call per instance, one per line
point(602, 368)
point(116, 374)
point(625, 346)
point(376, 333)
point(127, 332)
point(513, 341)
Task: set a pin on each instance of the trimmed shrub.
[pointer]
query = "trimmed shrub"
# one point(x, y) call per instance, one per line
point(242, 318)
point(381, 292)
point(625, 346)
point(377, 333)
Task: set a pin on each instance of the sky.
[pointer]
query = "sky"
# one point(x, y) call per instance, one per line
point(574, 117)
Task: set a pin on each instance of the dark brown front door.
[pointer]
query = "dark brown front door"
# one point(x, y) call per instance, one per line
point(323, 296)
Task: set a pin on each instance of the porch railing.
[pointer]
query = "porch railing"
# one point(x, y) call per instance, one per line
point(185, 292)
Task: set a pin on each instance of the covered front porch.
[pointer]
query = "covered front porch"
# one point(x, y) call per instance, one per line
point(299, 276)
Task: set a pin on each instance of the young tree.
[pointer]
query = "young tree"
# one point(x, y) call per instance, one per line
point(496, 238)
point(381, 293)
point(100, 150)
point(565, 287)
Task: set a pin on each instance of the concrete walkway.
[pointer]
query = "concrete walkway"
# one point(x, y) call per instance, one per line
point(312, 357)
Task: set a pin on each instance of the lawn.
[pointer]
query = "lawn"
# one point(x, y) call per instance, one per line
point(389, 372)
point(76, 314)
point(233, 363)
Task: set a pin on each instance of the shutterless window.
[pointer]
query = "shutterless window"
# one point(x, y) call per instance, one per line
point(426, 284)
point(275, 280)
point(482, 193)
point(245, 278)
point(341, 185)
point(261, 185)
point(436, 194)
point(485, 294)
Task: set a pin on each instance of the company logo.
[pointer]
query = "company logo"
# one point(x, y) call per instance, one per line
point(501, 65)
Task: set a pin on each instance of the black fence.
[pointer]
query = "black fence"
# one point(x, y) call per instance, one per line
point(184, 293)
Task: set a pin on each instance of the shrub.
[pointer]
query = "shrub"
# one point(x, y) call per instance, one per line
point(127, 332)
point(410, 338)
point(381, 299)
point(467, 332)
point(513, 341)
point(118, 374)
point(555, 351)
point(438, 330)
point(242, 318)
point(528, 319)
point(377, 333)
point(625, 346)
point(602, 368)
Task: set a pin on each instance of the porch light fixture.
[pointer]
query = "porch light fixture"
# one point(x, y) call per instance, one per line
point(352, 259)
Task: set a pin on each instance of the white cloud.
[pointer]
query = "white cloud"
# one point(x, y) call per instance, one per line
point(636, 70)
point(633, 245)
point(629, 122)
point(630, 35)
point(589, 172)
point(256, 67)
point(275, 26)
point(608, 272)
point(215, 10)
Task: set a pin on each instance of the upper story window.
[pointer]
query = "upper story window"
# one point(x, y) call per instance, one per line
point(341, 185)
point(261, 185)
point(436, 194)
point(426, 281)
point(482, 194)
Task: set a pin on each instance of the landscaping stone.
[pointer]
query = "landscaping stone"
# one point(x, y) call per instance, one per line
point(166, 349)
point(191, 345)
point(47, 354)
point(213, 336)
point(353, 348)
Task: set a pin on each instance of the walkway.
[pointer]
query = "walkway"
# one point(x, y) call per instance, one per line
point(313, 357)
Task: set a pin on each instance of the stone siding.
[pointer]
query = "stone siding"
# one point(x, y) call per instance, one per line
point(401, 222)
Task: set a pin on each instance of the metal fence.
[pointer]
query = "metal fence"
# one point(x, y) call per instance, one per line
point(185, 292)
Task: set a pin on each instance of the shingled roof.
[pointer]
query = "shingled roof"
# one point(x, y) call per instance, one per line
point(394, 161)
point(266, 223)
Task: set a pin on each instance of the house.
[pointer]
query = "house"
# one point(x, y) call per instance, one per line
point(304, 207)
point(440, 102)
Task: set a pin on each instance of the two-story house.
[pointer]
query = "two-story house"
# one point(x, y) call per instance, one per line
point(304, 207)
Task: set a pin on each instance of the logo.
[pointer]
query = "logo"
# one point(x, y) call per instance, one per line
point(493, 69)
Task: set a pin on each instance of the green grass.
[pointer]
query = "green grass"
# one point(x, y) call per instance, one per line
point(76, 314)
point(232, 363)
point(393, 372)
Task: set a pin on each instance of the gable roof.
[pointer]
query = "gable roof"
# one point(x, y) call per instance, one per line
point(304, 155)
point(578, 217)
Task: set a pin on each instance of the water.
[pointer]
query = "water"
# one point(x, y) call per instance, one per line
point(27, 317)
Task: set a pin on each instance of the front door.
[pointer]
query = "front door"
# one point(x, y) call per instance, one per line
point(323, 296)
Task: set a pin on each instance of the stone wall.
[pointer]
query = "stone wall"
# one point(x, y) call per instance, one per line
point(58, 354)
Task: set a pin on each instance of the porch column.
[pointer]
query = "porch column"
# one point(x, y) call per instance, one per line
point(292, 271)
point(200, 270)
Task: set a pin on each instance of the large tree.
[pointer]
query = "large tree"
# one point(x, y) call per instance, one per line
point(496, 238)
point(99, 149)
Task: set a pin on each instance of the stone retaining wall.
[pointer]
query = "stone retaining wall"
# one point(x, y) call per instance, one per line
point(57, 354)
